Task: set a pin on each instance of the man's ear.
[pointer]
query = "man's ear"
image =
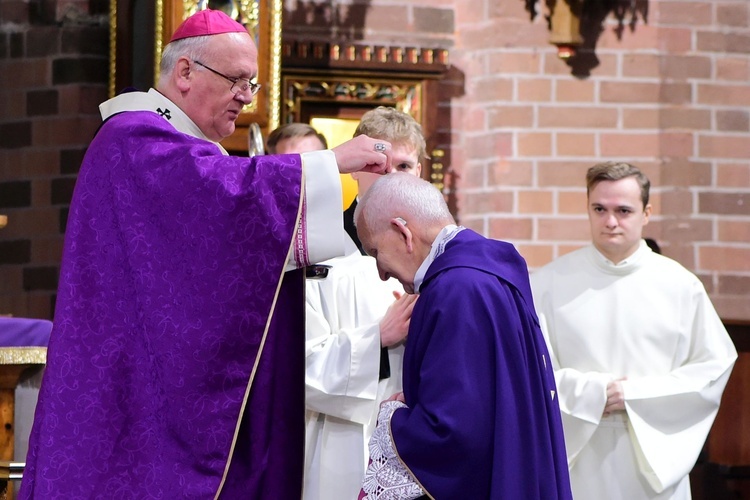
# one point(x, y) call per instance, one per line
point(647, 213)
point(406, 235)
point(183, 74)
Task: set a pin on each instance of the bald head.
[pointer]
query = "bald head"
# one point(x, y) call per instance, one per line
point(397, 220)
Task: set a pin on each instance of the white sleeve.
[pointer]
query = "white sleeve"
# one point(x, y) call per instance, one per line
point(675, 411)
point(320, 233)
point(342, 349)
point(386, 475)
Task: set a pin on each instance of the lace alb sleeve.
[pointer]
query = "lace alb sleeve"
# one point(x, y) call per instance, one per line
point(386, 477)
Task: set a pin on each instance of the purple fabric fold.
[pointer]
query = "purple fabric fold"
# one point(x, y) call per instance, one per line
point(172, 260)
point(483, 419)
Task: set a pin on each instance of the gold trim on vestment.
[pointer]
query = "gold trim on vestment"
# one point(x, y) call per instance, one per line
point(393, 442)
point(265, 333)
point(24, 355)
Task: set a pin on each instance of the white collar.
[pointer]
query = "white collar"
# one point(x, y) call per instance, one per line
point(155, 102)
point(438, 247)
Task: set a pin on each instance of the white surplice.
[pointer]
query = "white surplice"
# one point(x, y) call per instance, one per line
point(343, 393)
point(650, 320)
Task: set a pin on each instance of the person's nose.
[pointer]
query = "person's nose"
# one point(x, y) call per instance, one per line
point(244, 96)
point(612, 220)
point(382, 274)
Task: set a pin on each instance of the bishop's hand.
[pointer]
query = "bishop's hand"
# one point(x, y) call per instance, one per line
point(365, 154)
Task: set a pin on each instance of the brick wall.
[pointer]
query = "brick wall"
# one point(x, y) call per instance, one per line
point(663, 86)
point(666, 88)
point(53, 74)
point(670, 95)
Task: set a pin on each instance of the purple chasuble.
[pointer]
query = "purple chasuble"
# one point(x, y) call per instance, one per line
point(172, 260)
point(482, 421)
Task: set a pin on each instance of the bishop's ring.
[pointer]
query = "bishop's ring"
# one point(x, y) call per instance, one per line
point(380, 147)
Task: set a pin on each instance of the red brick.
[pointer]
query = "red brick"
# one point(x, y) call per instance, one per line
point(562, 174)
point(37, 222)
point(564, 229)
point(64, 131)
point(510, 35)
point(724, 203)
point(732, 307)
point(646, 36)
point(713, 41)
point(676, 202)
point(683, 12)
point(724, 147)
point(534, 90)
point(641, 65)
point(685, 229)
point(676, 144)
point(629, 92)
point(490, 145)
point(577, 117)
point(510, 228)
point(733, 14)
point(510, 117)
point(639, 118)
point(12, 280)
point(431, 20)
point(733, 175)
point(474, 176)
point(726, 259)
point(732, 68)
point(681, 118)
point(535, 202)
point(40, 193)
point(13, 104)
point(685, 67)
point(572, 202)
point(27, 74)
point(629, 145)
point(536, 256)
point(553, 65)
point(734, 285)
point(734, 231)
point(534, 144)
point(486, 202)
point(475, 224)
point(724, 95)
point(503, 10)
point(506, 172)
point(685, 173)
point(574, 91)
point(732, 120)
point(505, 63)
point(390, 18)
point(575, 144)
point(492, 89)
point(47, 250)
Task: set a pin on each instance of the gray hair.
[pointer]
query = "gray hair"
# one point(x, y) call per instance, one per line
point(195, 48)
point(399, 194)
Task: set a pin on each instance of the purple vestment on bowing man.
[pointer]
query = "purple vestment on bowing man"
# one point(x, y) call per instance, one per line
point(482, 421)
point(172, 259)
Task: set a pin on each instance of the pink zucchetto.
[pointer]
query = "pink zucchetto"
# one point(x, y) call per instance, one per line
point(207, 22)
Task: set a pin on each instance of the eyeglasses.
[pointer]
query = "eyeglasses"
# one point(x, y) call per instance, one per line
point(238, 84)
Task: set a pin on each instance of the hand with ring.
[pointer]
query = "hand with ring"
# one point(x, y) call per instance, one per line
point(365, 154)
